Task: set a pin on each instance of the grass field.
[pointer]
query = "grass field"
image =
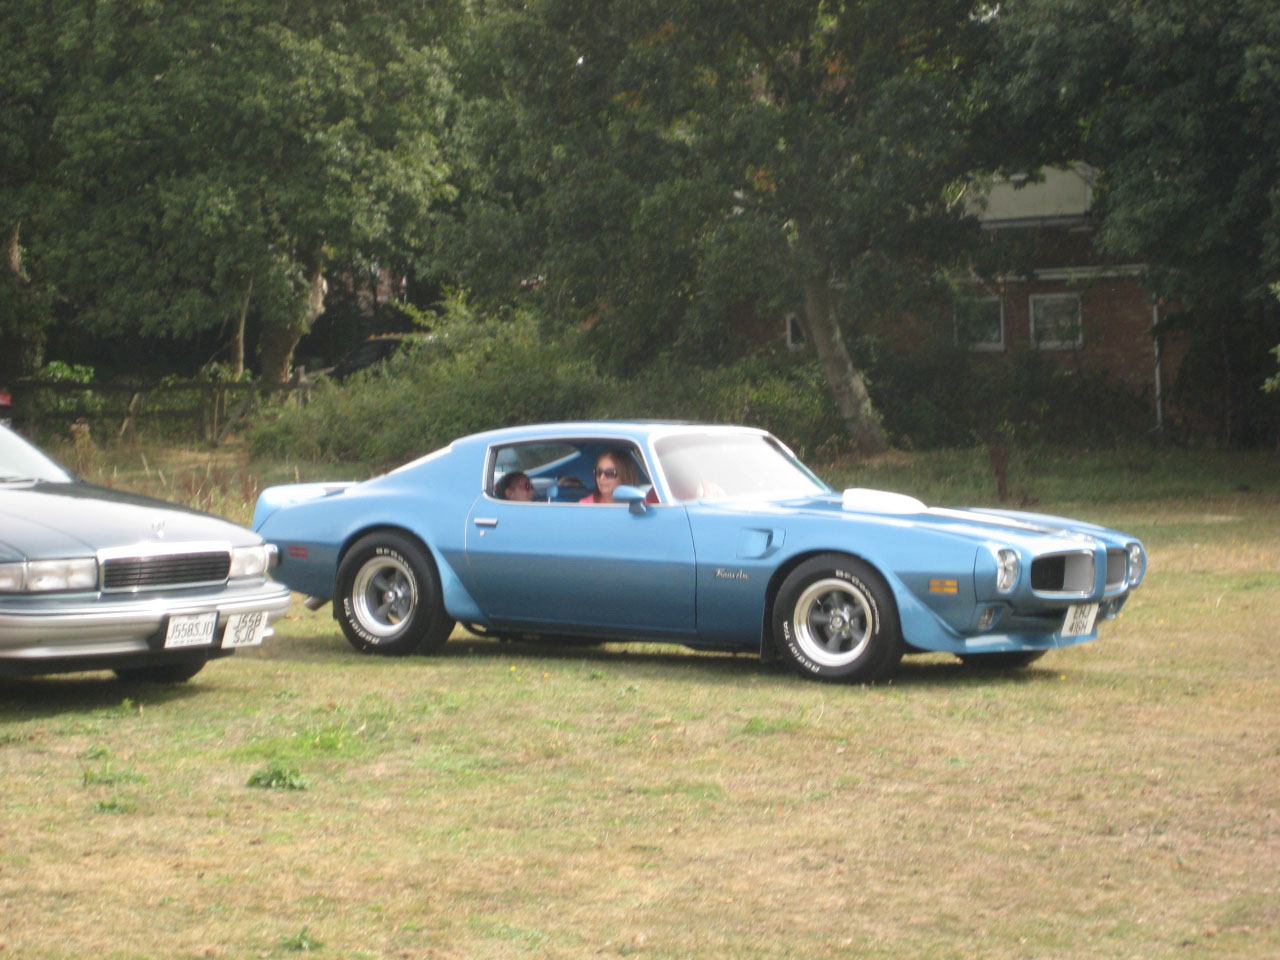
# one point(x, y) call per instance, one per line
point(1119, 799)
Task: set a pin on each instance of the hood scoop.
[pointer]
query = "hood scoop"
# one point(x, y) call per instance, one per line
point(862, 500)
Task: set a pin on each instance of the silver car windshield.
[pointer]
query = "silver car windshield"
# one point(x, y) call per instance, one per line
point(735, 466)
point(19, 460)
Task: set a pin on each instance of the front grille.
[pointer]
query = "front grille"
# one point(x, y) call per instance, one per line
point(166, 570)
point(1062, 573)
point(1117, 568)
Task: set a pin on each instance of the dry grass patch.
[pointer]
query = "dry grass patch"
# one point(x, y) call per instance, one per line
point(1117, 799)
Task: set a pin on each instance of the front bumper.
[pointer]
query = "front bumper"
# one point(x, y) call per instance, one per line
point(38, 633)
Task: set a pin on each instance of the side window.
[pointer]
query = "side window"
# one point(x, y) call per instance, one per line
point(564, 471)
point(527, 472)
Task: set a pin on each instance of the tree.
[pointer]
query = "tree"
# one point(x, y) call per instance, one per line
point(643, 166)
point(1175, 105)
point(191, 165)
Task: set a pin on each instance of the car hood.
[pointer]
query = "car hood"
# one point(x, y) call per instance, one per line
point(1033, 530)
point(48, 520)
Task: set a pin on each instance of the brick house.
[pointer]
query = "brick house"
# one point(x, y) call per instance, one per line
point(1080, 308)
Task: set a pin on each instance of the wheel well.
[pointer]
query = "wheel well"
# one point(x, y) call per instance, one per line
point(360, 535)
point(768, 651)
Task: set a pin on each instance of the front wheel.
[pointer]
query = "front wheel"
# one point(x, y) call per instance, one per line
point(834, 619)
point(388, 597)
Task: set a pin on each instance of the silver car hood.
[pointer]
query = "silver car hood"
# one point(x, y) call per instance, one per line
point(48, 520)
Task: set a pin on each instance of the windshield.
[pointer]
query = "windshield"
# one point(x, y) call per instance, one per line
point(19, 460)
point(736, 465)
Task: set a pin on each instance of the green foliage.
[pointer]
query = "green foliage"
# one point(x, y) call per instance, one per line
point(169, 165)
point(513, 373)
point(277, 776)
point(301, 942)
point(478, 378)
point(1028, 398)
point(643, 169)
point(1174, 105)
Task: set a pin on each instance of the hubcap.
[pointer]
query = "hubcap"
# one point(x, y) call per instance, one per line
point(833, 621)
point(383, 596)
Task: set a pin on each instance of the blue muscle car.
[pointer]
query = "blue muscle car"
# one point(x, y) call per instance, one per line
point(718, 538)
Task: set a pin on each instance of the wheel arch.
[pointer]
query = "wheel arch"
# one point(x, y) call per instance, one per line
point(768, 644)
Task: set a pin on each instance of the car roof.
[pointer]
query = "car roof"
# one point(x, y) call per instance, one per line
point(638, 430)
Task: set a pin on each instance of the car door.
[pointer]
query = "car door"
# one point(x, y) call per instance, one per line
point(583, 568)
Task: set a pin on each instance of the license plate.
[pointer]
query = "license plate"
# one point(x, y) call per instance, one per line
point(245, 629)
point(192, 630)
point(1079, 621)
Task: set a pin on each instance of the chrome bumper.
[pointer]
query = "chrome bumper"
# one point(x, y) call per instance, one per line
point(122, 625)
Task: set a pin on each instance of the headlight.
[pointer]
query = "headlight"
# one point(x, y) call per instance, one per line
point(12, 577)
point(1137, 563)
point(249, 562)
point(46, 576)
point(1006, 570)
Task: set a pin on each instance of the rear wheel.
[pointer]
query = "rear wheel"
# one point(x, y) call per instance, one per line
point(834, 619)
point(1009, 660)
point(388, 598)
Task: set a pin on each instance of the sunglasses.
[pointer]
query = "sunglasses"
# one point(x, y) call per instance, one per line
point(609, 472)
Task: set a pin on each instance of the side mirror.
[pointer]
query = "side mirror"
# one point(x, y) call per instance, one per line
point(633, 497)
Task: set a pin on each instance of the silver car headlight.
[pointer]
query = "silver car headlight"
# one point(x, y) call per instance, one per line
point(247, 562)
point(47, 576)
point(1007, 565)
point(1137, 563)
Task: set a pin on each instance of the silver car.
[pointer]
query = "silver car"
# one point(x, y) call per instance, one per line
point(98, 579)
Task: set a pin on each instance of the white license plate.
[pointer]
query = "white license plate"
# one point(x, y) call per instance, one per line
point(245, 629)
point(1079, 620)
point(192, 630)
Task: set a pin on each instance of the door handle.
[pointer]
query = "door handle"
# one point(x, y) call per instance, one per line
point(486, 521)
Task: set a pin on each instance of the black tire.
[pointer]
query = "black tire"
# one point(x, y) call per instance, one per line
point(163, 673)
point(834, 619)
point(387, 597)
point(1010, 660)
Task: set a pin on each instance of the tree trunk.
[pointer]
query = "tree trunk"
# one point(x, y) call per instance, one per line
point(848, 386)
point(237, 335)
point(280, 338)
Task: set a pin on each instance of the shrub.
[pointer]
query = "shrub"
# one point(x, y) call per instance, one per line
point(468, 380)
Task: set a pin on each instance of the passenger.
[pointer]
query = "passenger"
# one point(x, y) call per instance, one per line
point(514, 486)
point(614, 467)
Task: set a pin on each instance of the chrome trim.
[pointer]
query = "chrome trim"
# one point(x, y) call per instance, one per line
point(1067, 556)
point(151, 551)
point(89, 627)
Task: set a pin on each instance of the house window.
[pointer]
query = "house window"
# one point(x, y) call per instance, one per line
point(1055, 321)
point(795, 332)
point(980, 323)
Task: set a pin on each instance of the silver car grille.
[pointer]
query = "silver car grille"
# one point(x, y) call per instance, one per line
point(1117, 568)
point(1063, 574)
point(165, 570)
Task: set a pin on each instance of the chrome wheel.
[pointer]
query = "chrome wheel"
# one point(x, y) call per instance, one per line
point(387, 596)
point(834, 618)
point(834, 622)
point(384, 595)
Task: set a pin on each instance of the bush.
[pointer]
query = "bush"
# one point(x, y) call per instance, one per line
point(476, 378)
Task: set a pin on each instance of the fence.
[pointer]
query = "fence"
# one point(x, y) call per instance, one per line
point(189, 409)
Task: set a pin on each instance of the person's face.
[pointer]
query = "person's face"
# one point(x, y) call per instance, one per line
point(521, 488)
point(606, 476)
